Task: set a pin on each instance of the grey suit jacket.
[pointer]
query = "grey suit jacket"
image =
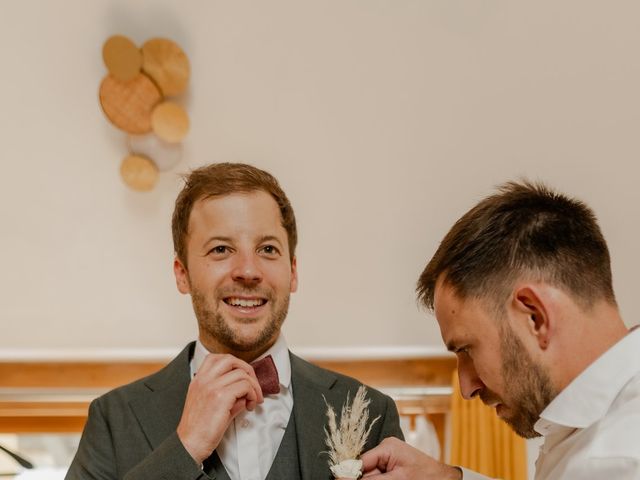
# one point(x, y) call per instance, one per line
point(131, 431)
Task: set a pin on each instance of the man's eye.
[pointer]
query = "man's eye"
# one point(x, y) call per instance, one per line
point(270, 250)
point(463, 351)
point(219, 249)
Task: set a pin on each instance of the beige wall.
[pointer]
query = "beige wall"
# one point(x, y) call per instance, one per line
point(384, 121)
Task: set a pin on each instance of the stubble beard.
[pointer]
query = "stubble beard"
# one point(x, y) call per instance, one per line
point(529, 385)
point(214, 324)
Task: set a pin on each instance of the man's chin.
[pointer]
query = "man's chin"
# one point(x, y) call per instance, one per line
point(520, 427)
point(249, 345)
point(251, 338)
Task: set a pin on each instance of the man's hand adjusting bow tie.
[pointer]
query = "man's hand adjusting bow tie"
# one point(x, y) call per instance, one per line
point(223, 387)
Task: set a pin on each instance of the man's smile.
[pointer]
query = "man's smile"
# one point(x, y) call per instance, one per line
point(245, 302)
point(243, 305)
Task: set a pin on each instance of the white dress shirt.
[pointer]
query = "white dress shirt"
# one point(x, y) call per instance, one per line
point(592, 428)
point(251, 442)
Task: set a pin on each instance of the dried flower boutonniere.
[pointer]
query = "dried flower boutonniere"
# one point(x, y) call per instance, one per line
point(346, 440)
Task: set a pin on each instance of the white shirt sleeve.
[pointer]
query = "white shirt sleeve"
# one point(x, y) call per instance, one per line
point(620, 468)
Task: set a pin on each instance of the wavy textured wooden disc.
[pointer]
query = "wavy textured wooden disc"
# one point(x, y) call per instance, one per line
point(170, 122)
point(128, 105)
point(122, 58)
point(166, 63)
point(139, 173)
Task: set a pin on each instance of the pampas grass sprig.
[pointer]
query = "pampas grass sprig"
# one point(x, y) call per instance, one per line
point(347, 438)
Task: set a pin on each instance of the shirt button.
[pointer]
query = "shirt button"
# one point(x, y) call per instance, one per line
point(245, 423)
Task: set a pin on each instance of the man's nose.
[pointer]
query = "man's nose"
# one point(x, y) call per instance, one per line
point(246, 269)
point(470, 383)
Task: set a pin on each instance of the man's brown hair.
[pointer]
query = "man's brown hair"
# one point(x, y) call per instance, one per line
point(220, 179)
point(525, 229)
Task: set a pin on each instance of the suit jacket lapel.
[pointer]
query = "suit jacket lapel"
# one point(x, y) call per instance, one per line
point(311, 385)
point(158, 409)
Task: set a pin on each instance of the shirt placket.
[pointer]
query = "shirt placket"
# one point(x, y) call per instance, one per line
point(248, 453)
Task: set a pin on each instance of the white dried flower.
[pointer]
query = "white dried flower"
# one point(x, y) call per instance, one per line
point(346, 440)
point(347, 469)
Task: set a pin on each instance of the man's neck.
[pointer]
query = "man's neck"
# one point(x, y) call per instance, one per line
point(592, 335)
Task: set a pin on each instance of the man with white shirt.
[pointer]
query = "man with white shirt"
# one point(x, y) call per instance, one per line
point(235, 404)
point(521, 289)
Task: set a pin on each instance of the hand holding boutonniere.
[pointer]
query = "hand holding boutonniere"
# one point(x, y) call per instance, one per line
point(347, 439)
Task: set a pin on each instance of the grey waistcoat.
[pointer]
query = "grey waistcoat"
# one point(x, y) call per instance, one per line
point(285, 466)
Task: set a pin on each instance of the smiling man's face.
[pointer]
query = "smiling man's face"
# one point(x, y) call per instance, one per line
point(239, 273)
point(493, 362)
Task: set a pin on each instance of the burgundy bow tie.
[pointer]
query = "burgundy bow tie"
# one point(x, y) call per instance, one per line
point(267, 375)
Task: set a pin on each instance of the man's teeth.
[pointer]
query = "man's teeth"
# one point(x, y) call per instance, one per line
point(241, 302)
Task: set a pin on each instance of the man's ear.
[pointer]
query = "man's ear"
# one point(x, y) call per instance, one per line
point(294, 275)
point(182, 276)
point(530, 302)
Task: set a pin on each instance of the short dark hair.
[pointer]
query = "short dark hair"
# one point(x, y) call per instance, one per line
point(523, 229)
point(219, 179)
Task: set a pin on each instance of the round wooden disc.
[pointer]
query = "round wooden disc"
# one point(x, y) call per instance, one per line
point(170, 122)
point(122, 58)
point(139, 173)
point(128, 105)
point(166, 63)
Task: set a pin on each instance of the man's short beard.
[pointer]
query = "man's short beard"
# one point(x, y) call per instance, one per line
point(214, 324)
point(529, 385)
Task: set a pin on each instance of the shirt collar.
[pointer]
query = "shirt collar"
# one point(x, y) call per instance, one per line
point(588, 397)
point(278, 351)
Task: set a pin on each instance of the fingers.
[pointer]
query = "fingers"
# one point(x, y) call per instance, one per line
point(220, 382)
point(238, 376)
point(224, 387)
point(392, 475)
point(222, 370)
point(372, 473)
point(382, 476)
point(377, 459)
point(218, 364)
point(240, 405)
point(395, 459)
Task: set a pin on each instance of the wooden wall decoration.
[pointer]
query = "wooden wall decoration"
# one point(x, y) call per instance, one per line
point(134, 96)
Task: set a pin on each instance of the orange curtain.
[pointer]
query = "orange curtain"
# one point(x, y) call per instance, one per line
point(482, 442)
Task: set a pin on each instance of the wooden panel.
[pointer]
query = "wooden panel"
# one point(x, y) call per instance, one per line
point(55, 416)
point(73, 374)
point(378, 373)
point(60, 416)
point(43, 409)
point(403, 372)
point(45, 424)
point(41, 417)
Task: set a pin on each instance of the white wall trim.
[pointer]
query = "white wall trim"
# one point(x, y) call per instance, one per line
point(89, 355)
point(165, 354)
point(370, 353)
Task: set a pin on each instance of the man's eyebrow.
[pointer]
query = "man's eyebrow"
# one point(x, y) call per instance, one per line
point(269, 238)
point(218, 239)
